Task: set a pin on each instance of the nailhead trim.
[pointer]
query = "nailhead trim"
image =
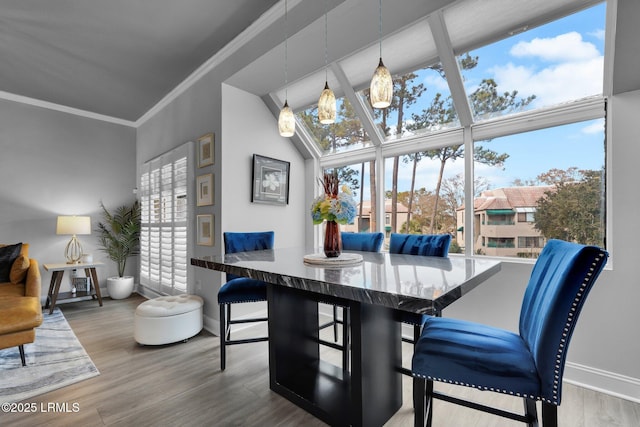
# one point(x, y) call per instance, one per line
point(559, 354)
point(243, 301)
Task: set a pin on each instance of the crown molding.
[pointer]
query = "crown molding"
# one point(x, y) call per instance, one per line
point(262, 23)
point(64, 109)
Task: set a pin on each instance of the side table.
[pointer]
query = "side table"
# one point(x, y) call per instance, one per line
point(57, 271)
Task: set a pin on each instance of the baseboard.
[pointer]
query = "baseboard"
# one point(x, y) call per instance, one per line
point(211, 325)
point(617, 385)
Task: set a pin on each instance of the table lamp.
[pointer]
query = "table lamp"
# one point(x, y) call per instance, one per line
point(73, 225)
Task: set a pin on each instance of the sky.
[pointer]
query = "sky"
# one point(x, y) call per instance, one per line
point(557, 62)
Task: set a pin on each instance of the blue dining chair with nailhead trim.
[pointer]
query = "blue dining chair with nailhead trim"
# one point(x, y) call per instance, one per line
point(239, 289)
point(367, 242)
point(417, 244)
point(528, 364)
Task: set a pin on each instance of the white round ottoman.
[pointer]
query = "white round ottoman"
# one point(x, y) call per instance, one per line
point(168, 319)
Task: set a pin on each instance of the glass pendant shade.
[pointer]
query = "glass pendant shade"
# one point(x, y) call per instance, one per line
point(381, 89)
point(286, 121)
point(327, 106)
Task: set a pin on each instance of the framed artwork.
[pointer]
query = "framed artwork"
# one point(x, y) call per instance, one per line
point(204, 189)
point(270, 181)
point(205, 150)
point(205, 230)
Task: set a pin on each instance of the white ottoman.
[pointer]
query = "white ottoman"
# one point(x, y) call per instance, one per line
point(168, 319)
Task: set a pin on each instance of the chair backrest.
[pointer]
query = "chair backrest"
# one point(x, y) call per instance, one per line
point(245, 242)
point(560, 281)
point(420, 244)
point(370, 242)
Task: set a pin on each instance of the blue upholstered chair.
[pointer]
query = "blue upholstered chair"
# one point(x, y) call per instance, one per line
point(241, 289)
point(417, 244)
point(529, 364)
point(368, 242)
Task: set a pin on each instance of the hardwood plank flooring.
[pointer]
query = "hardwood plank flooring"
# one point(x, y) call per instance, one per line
point(182, 385)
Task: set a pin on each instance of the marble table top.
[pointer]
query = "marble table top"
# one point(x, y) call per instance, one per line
point(412, 283)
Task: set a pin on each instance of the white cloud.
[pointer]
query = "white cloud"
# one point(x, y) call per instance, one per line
point(553, 85)
point(576, 71)
point(594, 128)
point(598, 34)
point(562, 48)
point(435, 82)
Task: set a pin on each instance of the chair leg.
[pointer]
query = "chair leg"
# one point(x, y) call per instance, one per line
point(419, 398)
point(335, 323)
point(345, 338)
point(422, 402)
point(429, 402)
point(223, 336)
point(416, 335)
point(531, 412)
point(549, 415)
point(22, 358)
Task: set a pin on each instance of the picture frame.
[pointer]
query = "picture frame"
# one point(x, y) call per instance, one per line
point(270, 181)
point(206, 150)
point(205, 230)
point(204, 190)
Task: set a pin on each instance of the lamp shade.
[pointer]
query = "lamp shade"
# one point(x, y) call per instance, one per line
point(73, 225)
point(286, 121)
point(381, 89)
point(327, 106)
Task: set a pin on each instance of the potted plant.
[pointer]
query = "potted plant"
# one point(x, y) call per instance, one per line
point(119, 235)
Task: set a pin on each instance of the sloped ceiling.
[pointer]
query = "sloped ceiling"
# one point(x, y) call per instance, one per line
point(116, 57)
point(119, 58)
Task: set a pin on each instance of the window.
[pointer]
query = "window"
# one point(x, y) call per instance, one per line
point(496, 126)
point(548, 65)
point(426, 188)
point(164, 241)
point(358, 178)
point(553, 178)
point(526, 216)
point(345, 134)
point(421, 104)
point(530, 242)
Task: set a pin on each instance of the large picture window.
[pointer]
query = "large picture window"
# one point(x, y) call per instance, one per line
point(496, 130)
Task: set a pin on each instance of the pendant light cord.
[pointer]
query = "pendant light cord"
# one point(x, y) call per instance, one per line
point(380, 26)
point(326, 49)
point(286, 52)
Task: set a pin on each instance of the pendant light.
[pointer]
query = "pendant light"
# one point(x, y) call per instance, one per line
point(381, 88)
point(286, 120)
point(327, 101)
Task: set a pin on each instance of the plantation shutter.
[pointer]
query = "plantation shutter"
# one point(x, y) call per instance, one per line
point(165, 191)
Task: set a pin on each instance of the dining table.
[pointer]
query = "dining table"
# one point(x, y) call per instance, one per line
point(376, 288)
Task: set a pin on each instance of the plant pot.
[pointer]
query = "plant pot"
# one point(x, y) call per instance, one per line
point(120, 287)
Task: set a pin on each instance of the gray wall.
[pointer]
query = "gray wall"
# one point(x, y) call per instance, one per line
point(54, 163)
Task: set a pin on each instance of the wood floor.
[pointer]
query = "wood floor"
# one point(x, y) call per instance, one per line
point(182, 385)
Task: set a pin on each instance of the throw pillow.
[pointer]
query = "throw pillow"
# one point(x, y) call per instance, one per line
point(8, 254)
point(19, 269)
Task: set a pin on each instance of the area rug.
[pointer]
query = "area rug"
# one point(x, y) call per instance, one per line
point(56, 359)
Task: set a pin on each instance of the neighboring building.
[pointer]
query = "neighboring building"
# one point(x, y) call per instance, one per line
point(504, 222)
point(365, 219)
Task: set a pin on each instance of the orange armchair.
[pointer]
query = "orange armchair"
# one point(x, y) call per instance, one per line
point(20, 305)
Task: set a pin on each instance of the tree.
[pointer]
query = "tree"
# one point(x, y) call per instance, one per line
point(453, 193)
point(485, 102)
point(572, 211)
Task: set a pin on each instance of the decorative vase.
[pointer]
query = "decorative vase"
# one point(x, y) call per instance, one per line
point(332, 240)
